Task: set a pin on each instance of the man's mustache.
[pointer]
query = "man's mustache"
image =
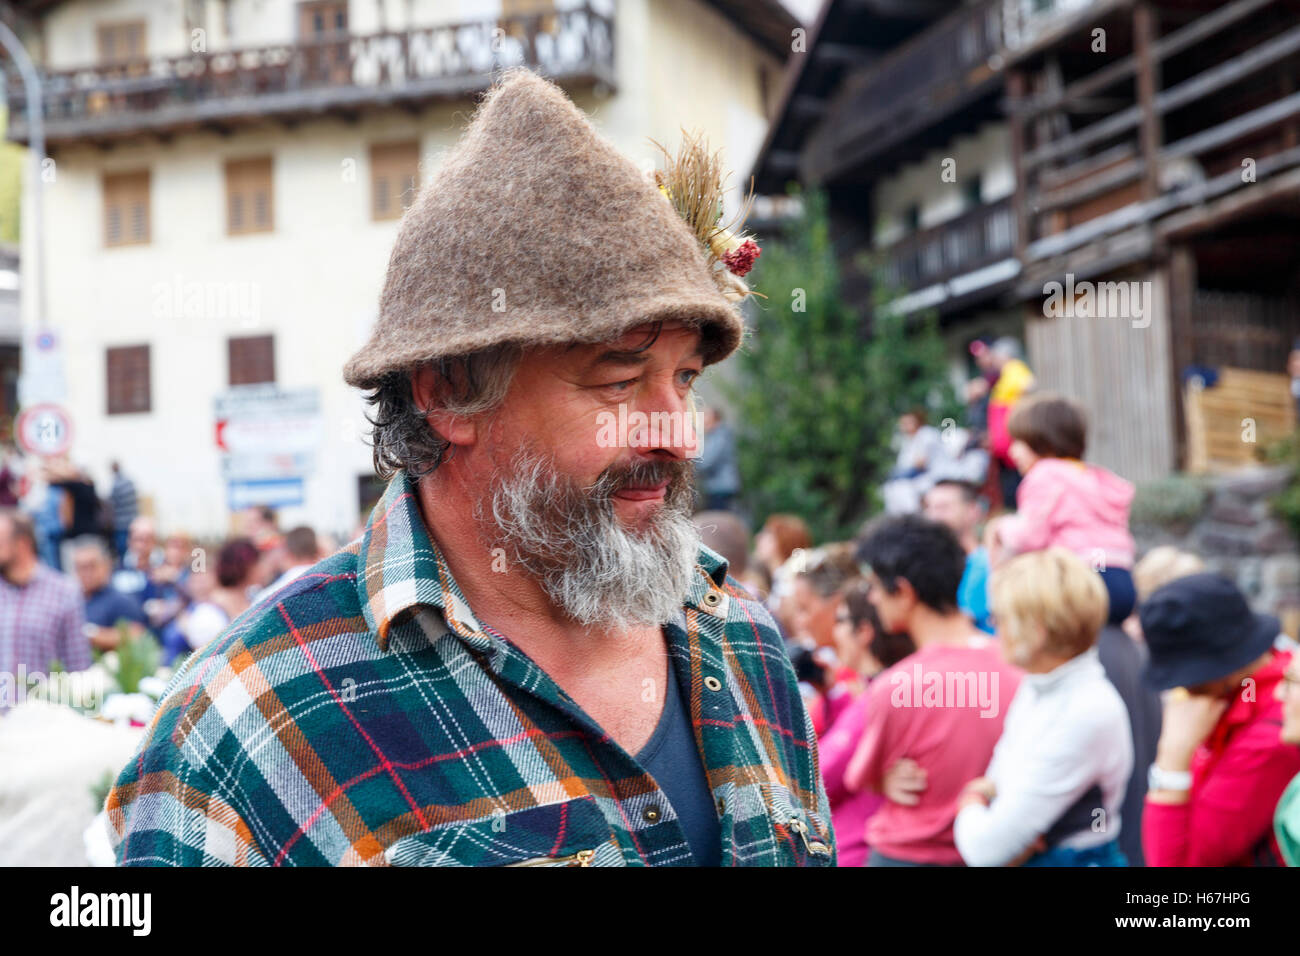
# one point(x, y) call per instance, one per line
point(644, 473)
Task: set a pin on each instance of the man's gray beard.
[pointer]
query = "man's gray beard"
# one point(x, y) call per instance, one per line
point(570, 539)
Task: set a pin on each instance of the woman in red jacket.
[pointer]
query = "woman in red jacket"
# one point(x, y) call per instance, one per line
point(1220, 767)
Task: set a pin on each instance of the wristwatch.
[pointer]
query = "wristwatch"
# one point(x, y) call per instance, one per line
point(1160, 779)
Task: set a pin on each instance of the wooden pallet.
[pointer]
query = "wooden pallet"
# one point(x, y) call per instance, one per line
point(1219, 419)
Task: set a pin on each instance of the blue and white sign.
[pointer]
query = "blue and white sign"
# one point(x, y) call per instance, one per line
point(272, 492)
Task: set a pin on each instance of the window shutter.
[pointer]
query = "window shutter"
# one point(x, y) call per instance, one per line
point(126, 208)
point(128, 380)
point(249, 200)
point(394, 178)
point(252, 359)
point(120, 42)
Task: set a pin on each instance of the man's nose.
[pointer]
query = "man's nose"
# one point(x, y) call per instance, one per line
point(668, 428)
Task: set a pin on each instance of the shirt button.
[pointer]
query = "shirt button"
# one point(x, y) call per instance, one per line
point(722, 807)
point(712, 683)
point(650, 814)
point(712, 599)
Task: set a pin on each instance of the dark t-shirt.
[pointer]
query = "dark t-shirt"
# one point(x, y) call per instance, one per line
point(106, 607)
point(671, 758)
point(85, 508)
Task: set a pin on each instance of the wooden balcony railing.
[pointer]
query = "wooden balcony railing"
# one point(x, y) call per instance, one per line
point(1199, 110)
point(315, 76)
point(980, 237)
point(910, 88)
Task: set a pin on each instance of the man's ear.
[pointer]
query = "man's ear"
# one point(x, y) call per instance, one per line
point(426, 392)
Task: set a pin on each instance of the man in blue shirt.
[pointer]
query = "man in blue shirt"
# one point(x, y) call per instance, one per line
point(956, 504)
point(105, 606)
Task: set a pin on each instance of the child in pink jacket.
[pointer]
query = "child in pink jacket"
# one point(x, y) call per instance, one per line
point(1066, 502)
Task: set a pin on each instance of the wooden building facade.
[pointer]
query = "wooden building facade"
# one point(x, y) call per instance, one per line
point(1150, 229)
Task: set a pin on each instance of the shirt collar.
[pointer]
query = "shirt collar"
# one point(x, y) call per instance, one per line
point(1083, 667)
point(1244, 707)
point(400, 569)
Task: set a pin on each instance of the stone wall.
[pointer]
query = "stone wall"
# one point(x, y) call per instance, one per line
point(1238, 536)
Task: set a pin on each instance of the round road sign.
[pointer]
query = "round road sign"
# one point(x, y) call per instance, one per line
point(44, 430)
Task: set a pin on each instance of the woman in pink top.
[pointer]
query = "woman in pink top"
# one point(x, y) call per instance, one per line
point(865, 647)
point(1065, 502)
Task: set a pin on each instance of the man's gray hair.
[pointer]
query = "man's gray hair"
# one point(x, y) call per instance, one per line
point(468, 384)
point(92, 542)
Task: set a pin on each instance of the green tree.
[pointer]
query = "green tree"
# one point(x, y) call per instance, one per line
point(12, 158)
point(820, 388)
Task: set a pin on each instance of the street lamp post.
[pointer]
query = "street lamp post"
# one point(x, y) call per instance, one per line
point(36, 147)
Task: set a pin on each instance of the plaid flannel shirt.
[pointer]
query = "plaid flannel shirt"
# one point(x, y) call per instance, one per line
point(362, 715)
point(41, 622)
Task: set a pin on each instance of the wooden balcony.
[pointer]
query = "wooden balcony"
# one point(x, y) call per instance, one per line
point(909, 92)
point(341, 76)
point(981, 237)
point(1177, 127)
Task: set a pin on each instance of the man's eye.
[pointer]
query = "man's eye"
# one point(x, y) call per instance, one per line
point(620, 386)
point(687, 376)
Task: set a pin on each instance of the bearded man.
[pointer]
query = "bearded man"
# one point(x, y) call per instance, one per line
point(527, 658)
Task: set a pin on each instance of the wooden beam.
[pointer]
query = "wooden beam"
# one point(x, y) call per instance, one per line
point(1182, 291)
point(1078, 171)
point(1216, 78)
point(1201, 85)
point(783, 159)
point(1205, 26)
point(840, 53)
point(1101, 130)
point(1170, 45)
point(1148, 81)
point(1080, 89)
point(809, 106)
point(903, 9)
point(1290, 132)
point(1252, 122)
point(1016, 92)
point(1095, 185)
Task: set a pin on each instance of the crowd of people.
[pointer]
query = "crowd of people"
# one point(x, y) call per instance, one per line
point(988, 686)
point(80, 572)
point(995, 679)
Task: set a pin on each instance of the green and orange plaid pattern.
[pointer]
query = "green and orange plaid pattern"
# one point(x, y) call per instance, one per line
point(362, 715)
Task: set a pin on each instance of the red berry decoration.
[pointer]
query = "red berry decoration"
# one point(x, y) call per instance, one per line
point(741, 259)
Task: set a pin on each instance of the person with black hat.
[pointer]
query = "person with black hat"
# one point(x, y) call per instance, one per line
point(1220, 767)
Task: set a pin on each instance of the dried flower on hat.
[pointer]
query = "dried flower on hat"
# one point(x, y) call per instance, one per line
point(693, 181)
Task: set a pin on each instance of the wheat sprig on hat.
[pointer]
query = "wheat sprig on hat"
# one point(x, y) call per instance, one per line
point(694, 182)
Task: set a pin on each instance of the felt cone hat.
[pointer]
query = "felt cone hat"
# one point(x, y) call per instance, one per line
point(536, 230)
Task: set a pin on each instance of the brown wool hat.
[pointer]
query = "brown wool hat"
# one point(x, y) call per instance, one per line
point(536, 230)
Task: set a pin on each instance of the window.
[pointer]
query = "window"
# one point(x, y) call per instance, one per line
point(128, 380)
point(248, 196)
point(322, 17)
point(516, 8)
point(252, 360)
point(513, 13)
point(120, 42)
point(394, 178)
point(912, 217)
point(126, 208)
point(972, 191)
